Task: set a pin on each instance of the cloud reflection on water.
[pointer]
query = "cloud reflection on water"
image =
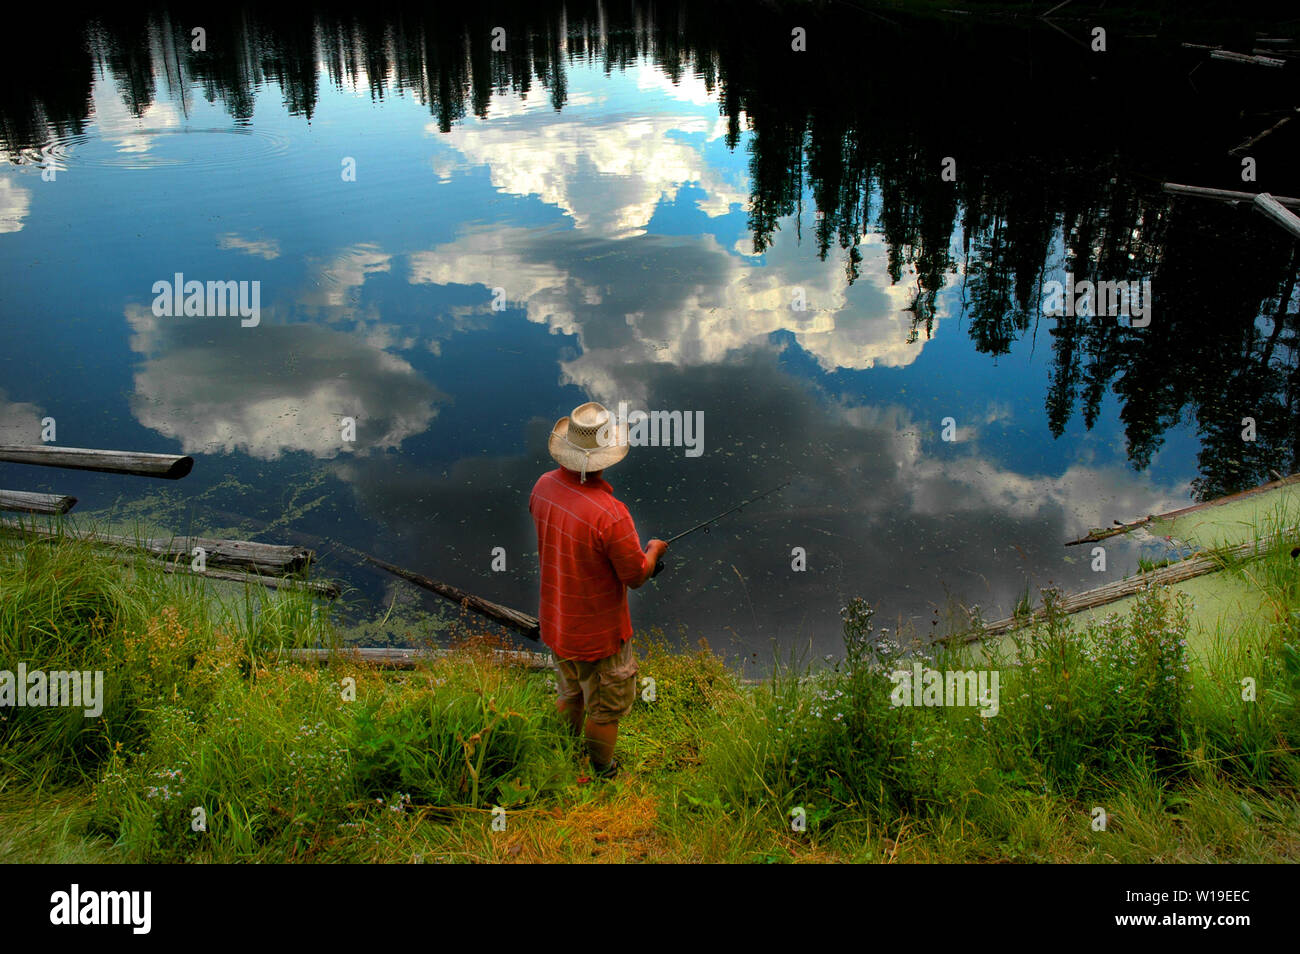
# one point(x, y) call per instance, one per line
point(219, 388)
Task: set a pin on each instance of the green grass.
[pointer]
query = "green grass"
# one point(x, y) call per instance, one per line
point(1189, 759)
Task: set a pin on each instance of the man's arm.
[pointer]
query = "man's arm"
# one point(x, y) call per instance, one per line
point(623, 548)
point(653, 552)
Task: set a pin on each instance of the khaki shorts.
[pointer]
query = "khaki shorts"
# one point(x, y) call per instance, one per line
point(606, 686)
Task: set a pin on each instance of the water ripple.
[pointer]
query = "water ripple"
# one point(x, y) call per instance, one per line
point(134, 148)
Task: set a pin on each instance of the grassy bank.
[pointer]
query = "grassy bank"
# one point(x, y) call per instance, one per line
point(343, 763)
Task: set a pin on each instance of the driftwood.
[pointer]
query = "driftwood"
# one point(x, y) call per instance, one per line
point(1224, 195)
point(1055, 8)
point(1111, 592)
point(520, 622)
point(20, 501)
point(242, 555)
point(1238, 150)
point(1275, 212)
point(1099, 534)
point(326, 588)
point(1230, 57)
point(166, 466)
point(395, 658)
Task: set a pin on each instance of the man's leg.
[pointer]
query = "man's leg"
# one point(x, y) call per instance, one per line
point(612, 698)
point(601, 738)
point(569, 701)
point(573, 712)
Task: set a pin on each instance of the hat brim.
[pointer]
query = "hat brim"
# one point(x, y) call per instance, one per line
point(572, 458)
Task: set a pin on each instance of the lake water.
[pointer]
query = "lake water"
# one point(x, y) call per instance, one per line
point(824, 253)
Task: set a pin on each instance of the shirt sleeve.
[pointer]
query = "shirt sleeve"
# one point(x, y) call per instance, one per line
point(623, 548)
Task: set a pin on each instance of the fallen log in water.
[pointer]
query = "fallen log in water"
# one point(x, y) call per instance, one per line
point(520, 622)
point(265, 558)
point(1101, 534)
point(1230, 57)
point(1224, 195)
point(1271, 209)
point(166, 466)
point(1174, 573)
point(1239, 149)
point(20, 501)
point(394, 658)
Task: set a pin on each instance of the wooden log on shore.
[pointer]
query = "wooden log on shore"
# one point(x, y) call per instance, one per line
point(1273, 210)
point(165, 466)
point(1111, 592)
point(520, 622)
point(326, 588)
point(1224, 195)
point(21, 501)
point(388, 657)
point(246, 555)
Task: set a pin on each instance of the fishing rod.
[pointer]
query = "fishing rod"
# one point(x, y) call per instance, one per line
point(703, 526)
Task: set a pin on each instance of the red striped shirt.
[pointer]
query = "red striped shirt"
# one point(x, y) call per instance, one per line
point(589, 550)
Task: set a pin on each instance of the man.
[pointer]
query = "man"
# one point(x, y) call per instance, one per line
point(590, 554)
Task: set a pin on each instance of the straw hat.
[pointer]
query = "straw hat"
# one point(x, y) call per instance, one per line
point(588, 439)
